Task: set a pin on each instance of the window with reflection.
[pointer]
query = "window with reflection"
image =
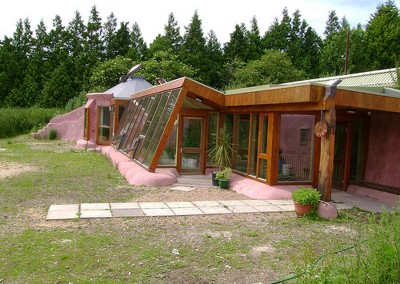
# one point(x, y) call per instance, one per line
point(143, 123)
point(241, 141)
point(103, 128)
point(212, 134)
point(296, 148)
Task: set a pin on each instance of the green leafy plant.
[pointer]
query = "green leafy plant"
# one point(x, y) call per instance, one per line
point(53, 134)
point(224, 174)
point(306, 196)
point(221, 153)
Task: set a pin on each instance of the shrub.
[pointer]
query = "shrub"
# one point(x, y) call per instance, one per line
point(52, 134)
point(16, 121)
point(306, 196)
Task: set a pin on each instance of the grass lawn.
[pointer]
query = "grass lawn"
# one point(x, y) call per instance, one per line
point(239, 248)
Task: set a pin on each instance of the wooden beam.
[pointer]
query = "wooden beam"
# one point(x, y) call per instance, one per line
point(327, 155)
point(363, 100)
point(277, 95)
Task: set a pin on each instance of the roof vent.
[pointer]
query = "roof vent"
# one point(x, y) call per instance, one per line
point(134, 69)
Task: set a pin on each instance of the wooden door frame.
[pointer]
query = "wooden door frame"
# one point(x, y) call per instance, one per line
point(346, 155)
point(203, 142)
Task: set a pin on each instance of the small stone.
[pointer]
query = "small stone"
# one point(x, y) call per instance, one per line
point(175, 252)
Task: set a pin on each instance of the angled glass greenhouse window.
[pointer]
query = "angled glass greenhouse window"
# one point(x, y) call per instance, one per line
point(143, 124)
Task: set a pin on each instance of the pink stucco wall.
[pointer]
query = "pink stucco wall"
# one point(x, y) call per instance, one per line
point(69, 126)
point(383, 161)
point(99, 99)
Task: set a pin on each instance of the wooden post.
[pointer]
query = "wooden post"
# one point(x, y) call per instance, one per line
point(328, 115)
point(327, 156)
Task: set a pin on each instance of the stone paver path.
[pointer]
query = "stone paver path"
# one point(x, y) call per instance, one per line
point(139, 209)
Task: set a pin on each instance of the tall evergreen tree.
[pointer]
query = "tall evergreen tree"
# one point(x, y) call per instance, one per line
point(193, 51)
point(10, 72)
point(332, 24)
point(215, 59)
point(255, 43)
point(110, 28)
point(138, 50)
point(238, 45)
point(120, 43)
point(173, 34)
point(170, 40)
point(383, 35)
point(94, 39)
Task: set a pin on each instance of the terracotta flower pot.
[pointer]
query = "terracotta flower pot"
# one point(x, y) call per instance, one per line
point(301, 209)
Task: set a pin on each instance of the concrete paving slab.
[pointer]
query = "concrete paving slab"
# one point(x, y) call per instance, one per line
point(88, 214)
point(268, 208)
point(62, 215)
point(206, 203)
point(232, 203)
point(180, 205)
point(341, 206)
point(256, 202)
point(153, 205)
point(158, 212)
point(243, 209)
point(289, 207)
point(280, 201)
point(95, 206)
point(136, 212)
point(65, 207)
point(187, 211)
point(182, 188)
point(215, 210)
point(130, 205)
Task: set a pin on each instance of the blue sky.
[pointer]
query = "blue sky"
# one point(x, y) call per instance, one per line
point(220, 16)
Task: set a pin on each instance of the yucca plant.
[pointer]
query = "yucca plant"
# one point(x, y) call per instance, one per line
point(221, 153)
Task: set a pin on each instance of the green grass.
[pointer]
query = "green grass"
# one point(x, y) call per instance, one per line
point(216, 249)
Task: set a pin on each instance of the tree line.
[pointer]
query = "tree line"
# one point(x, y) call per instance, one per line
point(51, 68)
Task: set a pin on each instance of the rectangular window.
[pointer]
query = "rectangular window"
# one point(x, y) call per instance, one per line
point(86, 124)
point(103, 127)
point(241, 141)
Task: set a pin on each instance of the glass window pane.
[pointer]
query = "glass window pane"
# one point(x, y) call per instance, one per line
point(264, 137)
point(168, 157)
point(296, 148)
point(253, 145)
point(190, 160)
point(192, 133)
point(241, 145)
point(212, 134)
point(262, 169)
point(159, 122)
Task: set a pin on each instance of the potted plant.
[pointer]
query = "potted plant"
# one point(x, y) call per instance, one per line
point(223, 177)
point(305, 200)
point(221, 154)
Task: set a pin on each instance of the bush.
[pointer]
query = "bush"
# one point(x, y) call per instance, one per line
point(306, 196)
point(53, 134)
point(16, 121)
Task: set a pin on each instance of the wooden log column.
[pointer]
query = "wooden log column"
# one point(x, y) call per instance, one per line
point(327, 155)
point(328, 115)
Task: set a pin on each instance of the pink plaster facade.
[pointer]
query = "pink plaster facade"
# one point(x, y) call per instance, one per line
point(69, 126)
point(383, 161)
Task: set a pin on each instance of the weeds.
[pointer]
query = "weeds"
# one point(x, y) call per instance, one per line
point(15, 121)
point(374, 256)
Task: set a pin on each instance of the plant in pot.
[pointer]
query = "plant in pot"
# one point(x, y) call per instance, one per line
point(305, 200)
point(221, 153)
point(223, 177)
